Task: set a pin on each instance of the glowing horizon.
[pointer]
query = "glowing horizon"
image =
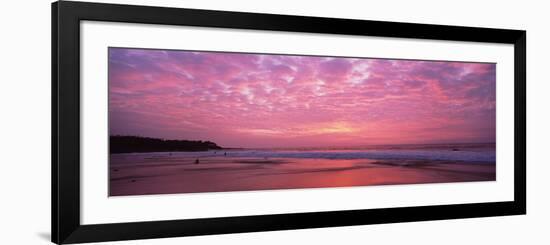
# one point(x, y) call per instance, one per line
point(263, 101)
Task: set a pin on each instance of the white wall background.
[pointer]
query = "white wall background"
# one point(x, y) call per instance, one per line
point(25, 122)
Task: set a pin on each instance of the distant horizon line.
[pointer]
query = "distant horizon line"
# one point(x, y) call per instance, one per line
point(314, 147)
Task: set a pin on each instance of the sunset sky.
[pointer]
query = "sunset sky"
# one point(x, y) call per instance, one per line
point(254, 100)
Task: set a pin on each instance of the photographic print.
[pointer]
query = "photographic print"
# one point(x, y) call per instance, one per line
point(185, 121)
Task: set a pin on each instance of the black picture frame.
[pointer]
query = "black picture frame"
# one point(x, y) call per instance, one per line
point(66, 17)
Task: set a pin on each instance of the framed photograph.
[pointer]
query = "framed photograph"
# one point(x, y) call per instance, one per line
point(177, 122)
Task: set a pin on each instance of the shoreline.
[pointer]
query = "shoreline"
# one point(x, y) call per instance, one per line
point(138, 175)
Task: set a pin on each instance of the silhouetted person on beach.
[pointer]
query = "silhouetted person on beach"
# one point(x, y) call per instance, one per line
point(225, 153)
point(197, 161)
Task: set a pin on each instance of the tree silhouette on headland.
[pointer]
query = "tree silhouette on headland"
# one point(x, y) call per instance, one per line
point(130, 144)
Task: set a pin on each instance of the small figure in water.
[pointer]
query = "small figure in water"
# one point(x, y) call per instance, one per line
point(225, 153)
point(169, 153)
point(197, 161)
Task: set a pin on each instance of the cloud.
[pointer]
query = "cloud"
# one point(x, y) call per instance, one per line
point(245, 100)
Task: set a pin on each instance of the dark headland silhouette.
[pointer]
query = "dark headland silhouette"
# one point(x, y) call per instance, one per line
point(133, 144)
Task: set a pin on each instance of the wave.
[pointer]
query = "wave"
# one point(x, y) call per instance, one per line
point(488, 156)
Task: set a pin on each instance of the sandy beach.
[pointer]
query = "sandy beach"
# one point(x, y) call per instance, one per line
point(164, 173)
point(191, 121)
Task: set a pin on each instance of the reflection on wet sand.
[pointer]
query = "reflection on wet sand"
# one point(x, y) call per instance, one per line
point(163, 174)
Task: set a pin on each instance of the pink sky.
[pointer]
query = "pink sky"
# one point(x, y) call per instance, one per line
point(254, 100)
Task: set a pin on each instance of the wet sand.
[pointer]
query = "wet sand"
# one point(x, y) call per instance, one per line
point(164, 174)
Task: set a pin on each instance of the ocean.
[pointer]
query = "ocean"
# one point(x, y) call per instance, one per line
point(290, 168)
